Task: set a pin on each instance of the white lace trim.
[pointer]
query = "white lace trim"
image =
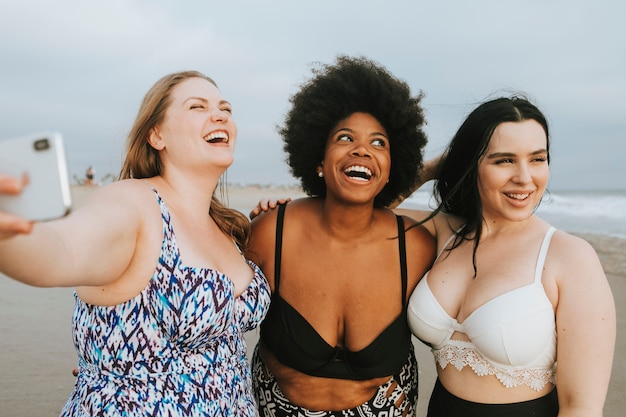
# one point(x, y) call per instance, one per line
point(461, 353)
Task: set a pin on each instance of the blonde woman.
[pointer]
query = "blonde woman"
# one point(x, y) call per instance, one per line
point(163, 294)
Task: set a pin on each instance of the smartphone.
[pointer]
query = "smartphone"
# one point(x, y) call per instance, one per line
point(42, 157)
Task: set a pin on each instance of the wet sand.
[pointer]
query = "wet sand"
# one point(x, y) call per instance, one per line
point(37, 354)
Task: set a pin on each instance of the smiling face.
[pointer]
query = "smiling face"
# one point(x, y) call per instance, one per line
point(357, 159)
point(513, 173)
point(198, 129)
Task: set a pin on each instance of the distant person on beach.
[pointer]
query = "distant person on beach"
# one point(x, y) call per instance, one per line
point(89, 175)
point(508, 295)
point(163, 294)
point(336, 341)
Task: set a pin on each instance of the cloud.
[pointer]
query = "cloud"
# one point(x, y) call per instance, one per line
point(83, 67)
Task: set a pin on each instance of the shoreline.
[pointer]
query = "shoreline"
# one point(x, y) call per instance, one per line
point(37, 354)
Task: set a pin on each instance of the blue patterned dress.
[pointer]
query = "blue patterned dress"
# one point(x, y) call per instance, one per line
point(176, 349)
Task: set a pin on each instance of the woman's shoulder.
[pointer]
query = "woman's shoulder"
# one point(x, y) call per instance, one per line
point(127, 191)
point(445, 225)
point(571, 245)
point(305, 204)
point(573, 257)
point(122, 186)
point(301, 208)
point(265, 222)
point(125, 200)
point(418, 236)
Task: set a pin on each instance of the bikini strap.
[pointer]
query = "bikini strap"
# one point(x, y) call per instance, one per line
point(542, 254)
point(279, 245)
point(445, 245)
point(165, 213)
point(403, 268)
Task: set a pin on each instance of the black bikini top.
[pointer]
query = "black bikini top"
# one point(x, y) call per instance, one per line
point(295, 343)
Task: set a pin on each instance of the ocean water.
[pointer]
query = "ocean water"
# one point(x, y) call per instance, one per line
point(596, 212)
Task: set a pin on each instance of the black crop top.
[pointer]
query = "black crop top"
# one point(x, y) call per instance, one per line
point(297, 344)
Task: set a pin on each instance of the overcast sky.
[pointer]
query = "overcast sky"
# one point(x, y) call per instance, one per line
point(82, 68)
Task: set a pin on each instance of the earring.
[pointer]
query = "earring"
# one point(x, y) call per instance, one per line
point(320, 174)
point(547, 196)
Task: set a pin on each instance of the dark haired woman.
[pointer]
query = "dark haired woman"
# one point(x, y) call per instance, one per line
point(508, 295)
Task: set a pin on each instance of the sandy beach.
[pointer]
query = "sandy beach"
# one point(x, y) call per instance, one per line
point(37, 354)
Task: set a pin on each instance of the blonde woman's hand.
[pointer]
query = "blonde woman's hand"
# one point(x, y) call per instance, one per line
point(10, 224)
point(267, 204)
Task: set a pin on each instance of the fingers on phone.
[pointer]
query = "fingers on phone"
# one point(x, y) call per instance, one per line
point(12, 185)
point(11, 225)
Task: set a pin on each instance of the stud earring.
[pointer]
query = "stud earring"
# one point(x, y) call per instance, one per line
point(320, 174)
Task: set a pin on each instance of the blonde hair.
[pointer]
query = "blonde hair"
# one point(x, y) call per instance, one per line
point(143, 161)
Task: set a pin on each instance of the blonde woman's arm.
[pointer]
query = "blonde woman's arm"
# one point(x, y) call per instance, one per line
point(92, 246)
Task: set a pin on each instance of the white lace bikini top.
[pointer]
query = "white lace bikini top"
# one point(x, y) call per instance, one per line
point(512, 336)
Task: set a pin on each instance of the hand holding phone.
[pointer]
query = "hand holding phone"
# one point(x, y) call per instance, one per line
point(10, 224)
point(42, 158)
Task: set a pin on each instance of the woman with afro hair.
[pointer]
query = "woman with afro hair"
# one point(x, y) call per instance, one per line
point(341, 266)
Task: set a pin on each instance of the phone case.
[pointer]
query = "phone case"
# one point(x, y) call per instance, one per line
point(42, 157)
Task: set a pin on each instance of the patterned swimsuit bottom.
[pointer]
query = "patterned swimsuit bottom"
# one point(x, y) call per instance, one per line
point(396, 397)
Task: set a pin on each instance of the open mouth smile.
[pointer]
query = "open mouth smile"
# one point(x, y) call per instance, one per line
point(359, 172)
point(216, 137)
point(518, 196)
